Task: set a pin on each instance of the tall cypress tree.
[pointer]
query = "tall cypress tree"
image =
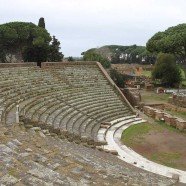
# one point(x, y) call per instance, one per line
point(54, 51)
point(41, 22)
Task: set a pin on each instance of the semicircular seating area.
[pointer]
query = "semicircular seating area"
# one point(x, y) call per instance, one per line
point(72, 98)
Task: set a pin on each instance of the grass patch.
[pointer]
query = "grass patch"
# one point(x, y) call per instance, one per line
point(152, 97)
point(135, 132)
point(140, 137)
point(164, 126)
point(147, 73)
point(165, 158)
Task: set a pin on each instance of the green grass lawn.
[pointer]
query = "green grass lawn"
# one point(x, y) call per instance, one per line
point(152, 97)
point(136, 132)
point(135, 138)
point(167, 159)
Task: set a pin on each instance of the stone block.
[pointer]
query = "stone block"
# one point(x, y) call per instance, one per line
point(180, 124)
point(175, 177)
point(104, 126)
point(114, 152)
point(167, 118)
point(159, 115)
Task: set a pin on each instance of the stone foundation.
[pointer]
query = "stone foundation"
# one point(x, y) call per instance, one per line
point(178, 100)
point(170, 120)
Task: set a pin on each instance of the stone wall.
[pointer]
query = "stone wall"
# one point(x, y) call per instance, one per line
point(133, 95)
point(12, 65)
point(163, 116)
point(57, 64)
point(179, 100)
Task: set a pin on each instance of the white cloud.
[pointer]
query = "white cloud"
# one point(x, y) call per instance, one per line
point(82, 24)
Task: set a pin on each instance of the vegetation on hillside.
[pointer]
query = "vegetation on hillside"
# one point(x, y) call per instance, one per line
point(123, 54)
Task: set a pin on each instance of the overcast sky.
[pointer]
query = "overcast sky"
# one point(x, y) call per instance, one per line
point(84, 24)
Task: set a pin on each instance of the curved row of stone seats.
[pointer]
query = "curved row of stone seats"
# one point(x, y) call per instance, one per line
point(14, 98)
point(76, 98)
point(47, 99)
point(107, 125)
point(41, 107)
point(17, 93)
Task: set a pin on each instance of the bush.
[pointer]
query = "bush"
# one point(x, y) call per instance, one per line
point(118, 78)
point(166, 70)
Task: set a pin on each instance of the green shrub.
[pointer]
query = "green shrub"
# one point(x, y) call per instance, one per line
point(166, 70)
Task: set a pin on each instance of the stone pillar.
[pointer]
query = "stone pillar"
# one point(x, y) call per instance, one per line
point(17, 113)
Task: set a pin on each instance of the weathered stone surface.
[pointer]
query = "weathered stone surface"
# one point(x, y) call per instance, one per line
point(28, 150)
point(16, 142)
point(8, 180)
point(36, 129)
point(33, 181)
point(28, 126)
point(39, 158)
point(53, 166)
point(23, 155)
point(175, 177)
point(44, 173)
point(12, 146)
point(4, 148)
point(45, 131)
point(78, 170)
point(41, 134)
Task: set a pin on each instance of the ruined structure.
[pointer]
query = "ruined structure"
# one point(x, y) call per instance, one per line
point(56, 141)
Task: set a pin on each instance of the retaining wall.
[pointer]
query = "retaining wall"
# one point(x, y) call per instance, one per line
point(12, 65)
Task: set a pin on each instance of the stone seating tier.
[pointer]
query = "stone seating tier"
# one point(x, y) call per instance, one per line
point(72, 97)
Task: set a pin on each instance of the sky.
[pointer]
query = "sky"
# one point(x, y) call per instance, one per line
point(83, 24)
